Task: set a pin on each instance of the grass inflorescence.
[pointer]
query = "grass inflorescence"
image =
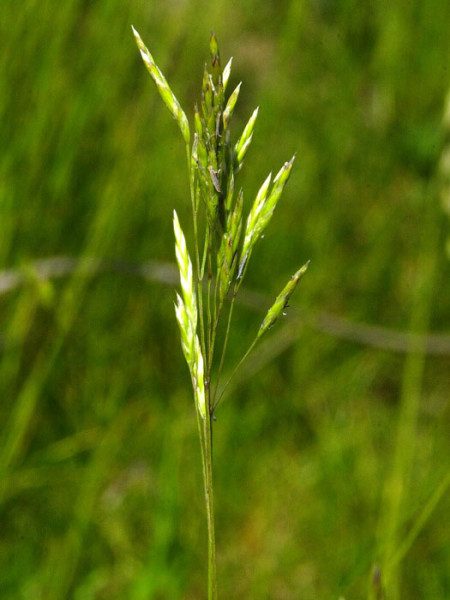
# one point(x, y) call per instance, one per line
point(223, 245)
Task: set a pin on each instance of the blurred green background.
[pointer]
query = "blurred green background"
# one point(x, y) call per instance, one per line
point(332, 449)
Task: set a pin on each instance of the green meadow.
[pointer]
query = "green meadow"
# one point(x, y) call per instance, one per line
point(332, 445)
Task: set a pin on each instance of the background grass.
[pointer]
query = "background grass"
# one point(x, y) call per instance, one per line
point(330, 458)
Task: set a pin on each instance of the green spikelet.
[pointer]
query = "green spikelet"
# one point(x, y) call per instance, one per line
point(163, 88)
point(245, 139)
point(281, 301)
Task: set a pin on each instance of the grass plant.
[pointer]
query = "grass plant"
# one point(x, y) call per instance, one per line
point(223, 244)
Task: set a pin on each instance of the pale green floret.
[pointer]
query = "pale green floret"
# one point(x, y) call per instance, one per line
point(230, 192)
point(282, 177)
point(225, 257)
point(194, 153)
point(281, 301)
point(187, 330)
point(186, 273)
point(227, 254)
point(262, 211)
point(192, 352)
point(163, 87)
point(243, 151)
point(198, 379)
point(202, 154)
point(208, 90)
point(198, 123)
point(267, 208)
point(229, 108)
point(252, 231)
point(213, 46)
point(208, 194)
point(226, 74)
point(246, 137)
point(235, 221)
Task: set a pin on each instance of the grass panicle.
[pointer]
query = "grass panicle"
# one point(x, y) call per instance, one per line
point(223, 254)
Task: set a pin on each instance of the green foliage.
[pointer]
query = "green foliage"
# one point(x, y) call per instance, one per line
point(100, 468)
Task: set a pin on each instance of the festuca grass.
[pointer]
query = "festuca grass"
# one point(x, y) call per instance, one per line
point(223, 245)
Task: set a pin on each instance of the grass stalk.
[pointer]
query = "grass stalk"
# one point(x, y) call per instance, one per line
point(209, 501)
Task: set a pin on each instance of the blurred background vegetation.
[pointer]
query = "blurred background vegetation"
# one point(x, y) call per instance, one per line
point(332, 449)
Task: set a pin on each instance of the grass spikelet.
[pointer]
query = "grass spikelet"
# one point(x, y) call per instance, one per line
point(186, 331)
point(186, 314)
point(253, 228)
point(186, 273)
point(166, 93)
point(246, 138)
point(278, 186)
point(225, 258)
point(235, 221)
point(228, 112)
point(281, 301)
point(262, 211)
point(226, 73)
point(198, 378)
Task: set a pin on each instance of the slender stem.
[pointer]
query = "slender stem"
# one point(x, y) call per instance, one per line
point(224, 349)
point(201, 438)
point(209, 500)
point(237, 285)
point(239, 364)
point(210, 341)
point(205, 253)
point(217, 310)
point(213, 343)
